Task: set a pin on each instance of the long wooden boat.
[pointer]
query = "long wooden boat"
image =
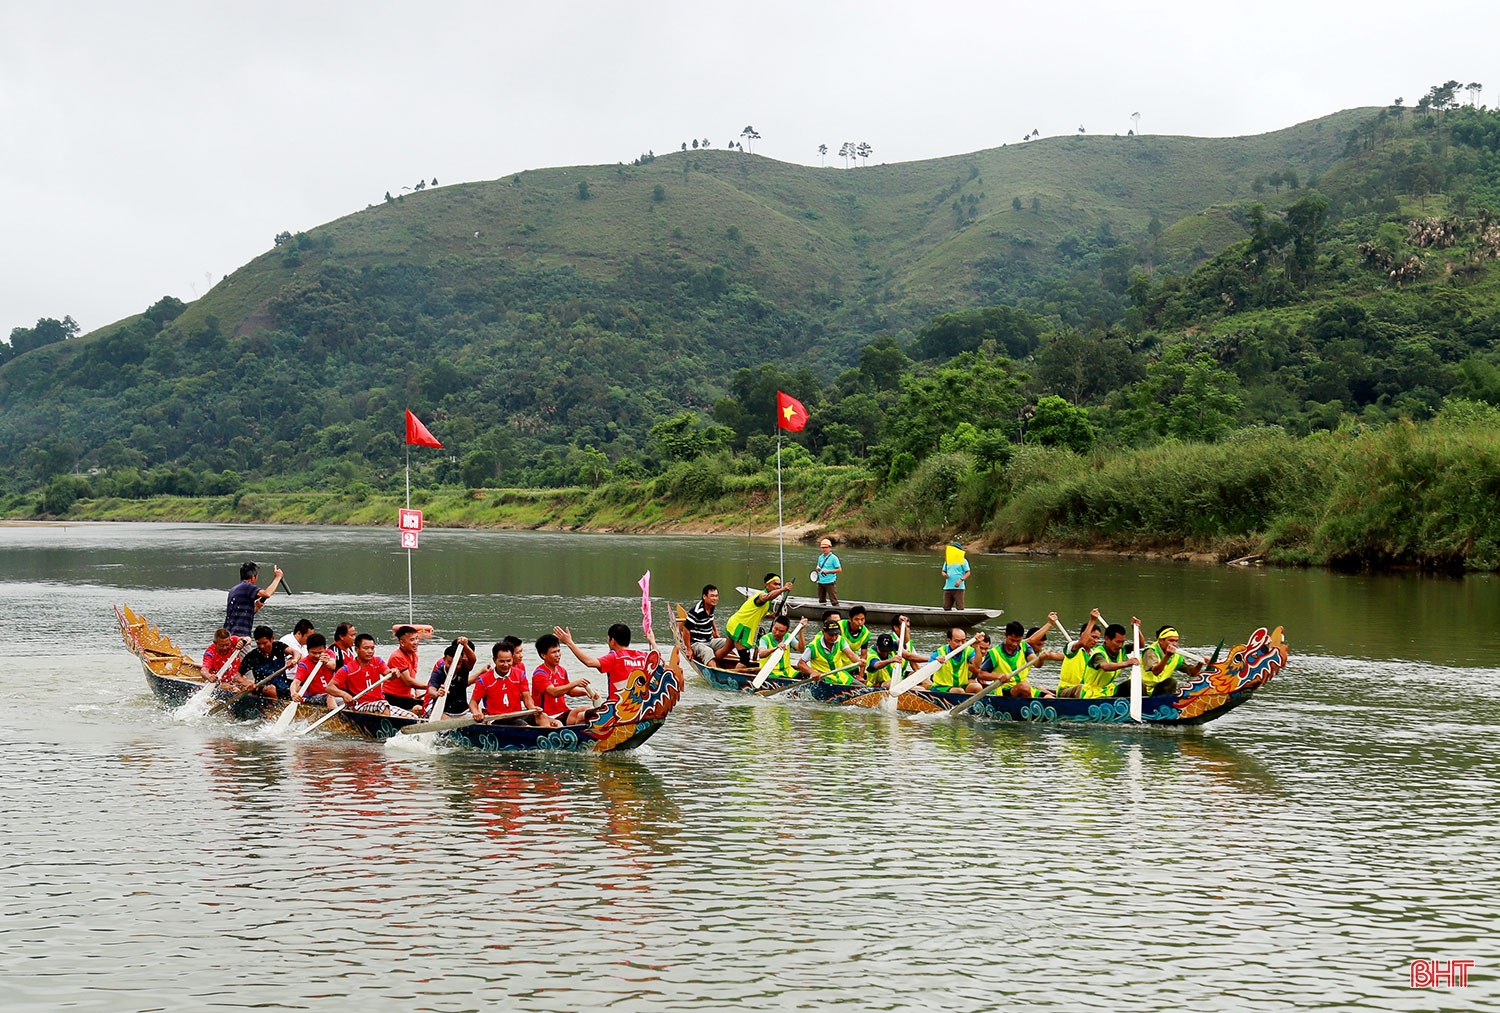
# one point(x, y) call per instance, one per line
point(625, 723)
point(1216, 691)
point(880, 614)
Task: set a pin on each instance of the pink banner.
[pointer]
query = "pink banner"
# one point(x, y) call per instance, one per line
point(645, 583)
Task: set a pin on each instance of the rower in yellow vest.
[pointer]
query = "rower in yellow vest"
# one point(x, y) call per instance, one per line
point(954, 675)
point(1076, 655)
point(856, 632)
point(1160, 662)
point(830, 656)
point(887, 662)
point(1003, 661)
point(1114, 656)
point(785, 667)
point(743, 628)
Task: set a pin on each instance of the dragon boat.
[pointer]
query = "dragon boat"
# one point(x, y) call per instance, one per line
point(1214, 692)
point(641, 709)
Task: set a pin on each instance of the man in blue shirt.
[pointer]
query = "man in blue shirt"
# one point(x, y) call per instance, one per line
point(828, 574)
point(245, 599)
point(955, 573)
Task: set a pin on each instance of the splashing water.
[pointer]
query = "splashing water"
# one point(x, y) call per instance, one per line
point(195, 708)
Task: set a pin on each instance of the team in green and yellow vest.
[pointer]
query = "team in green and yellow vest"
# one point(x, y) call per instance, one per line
point(846, 652)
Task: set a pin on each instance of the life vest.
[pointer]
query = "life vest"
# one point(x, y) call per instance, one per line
point(783, 668)
point(858, 641)
point(953, 674)
point(1073, 668)
point(1095, 683)
point(1149, 681)
point(825, 659)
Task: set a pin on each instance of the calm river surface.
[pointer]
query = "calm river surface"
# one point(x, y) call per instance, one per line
point(1298, 853)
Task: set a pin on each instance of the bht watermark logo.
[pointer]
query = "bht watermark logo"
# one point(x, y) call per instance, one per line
point(1440, 973)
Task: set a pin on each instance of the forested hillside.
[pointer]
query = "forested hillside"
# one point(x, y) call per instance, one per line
point(1091, 295)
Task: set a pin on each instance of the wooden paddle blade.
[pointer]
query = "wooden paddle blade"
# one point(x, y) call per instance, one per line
point(1137, 678)
point(767, 668)
point(447, 725)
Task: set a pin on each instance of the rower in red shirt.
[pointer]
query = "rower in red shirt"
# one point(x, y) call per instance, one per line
point(403, 687)
point(310, 683)
point(219, 652)
point(617, 664)
point(550, 684)
point(355, 683)
point(502, 690)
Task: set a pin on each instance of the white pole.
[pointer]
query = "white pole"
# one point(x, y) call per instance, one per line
point(780, 541)
point(410, 611)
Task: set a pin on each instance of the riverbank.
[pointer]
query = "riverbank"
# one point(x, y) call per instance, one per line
point(1403, 496)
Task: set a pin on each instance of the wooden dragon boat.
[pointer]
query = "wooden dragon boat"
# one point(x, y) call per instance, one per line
point(625, 723)
point(880, 614)
point(1217, 690)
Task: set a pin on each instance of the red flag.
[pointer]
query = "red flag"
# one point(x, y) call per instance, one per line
point(417, 434)
point(790, 415)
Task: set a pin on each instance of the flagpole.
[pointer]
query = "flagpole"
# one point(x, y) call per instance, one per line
point(411, 613)
point(780, 539)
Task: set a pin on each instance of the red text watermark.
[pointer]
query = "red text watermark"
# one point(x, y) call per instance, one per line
point(1440, 973)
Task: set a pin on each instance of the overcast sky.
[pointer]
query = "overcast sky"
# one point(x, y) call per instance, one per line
point(148, 148)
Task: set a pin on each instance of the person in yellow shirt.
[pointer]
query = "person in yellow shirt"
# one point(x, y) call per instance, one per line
point(743, 628)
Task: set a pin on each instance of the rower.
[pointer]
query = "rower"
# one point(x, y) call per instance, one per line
point(403, 687)
point(617, 664)
point(856, 632)
point(828, 653)
point(296, 641)
point(744, 626)
point(1003, 660)
point(550, 684)
point(901, 634)
point(218, 654)
point(888, 661)
point(785, 667)
point(270, 656)
point(316, 691)
point(954, 675)
point(457, 699)
point(1117, 658)
point(1160, 661)
point(502, 689)
point(343, 645)
point(1076, 657)
point(352, 684)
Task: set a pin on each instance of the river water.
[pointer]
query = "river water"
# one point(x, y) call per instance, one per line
point(1300, 852)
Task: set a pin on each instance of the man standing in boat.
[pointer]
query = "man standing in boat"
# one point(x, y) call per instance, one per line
point(828, 571)
point(246, 598)
point(743, 628)
point(955, 576)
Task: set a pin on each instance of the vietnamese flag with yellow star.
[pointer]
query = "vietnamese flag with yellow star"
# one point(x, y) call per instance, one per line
point(790, 415)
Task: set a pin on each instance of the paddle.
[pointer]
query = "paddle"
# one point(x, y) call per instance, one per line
point(231, 701)
point(988, 690)
point(925, 672)
point(458, 653)
point(341, 706)
point(1137, 678)
point(775, 656)
point(284, 719)
point(816, 678)
point(449, 724)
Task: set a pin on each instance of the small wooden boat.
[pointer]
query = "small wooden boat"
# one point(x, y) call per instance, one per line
point(879, 615)
point(625, 723)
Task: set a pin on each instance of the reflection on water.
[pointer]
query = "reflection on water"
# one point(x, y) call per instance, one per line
point(1297, 853)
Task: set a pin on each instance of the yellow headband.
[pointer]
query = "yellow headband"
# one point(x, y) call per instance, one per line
point(1168, 632)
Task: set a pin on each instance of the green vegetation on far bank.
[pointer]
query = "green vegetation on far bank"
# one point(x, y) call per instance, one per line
point(1404, 495)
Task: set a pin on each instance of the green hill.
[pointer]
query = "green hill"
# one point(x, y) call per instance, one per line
point(589, 324)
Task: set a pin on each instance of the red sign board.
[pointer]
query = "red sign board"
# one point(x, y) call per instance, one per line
point(409, 520)
point(409, 539)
